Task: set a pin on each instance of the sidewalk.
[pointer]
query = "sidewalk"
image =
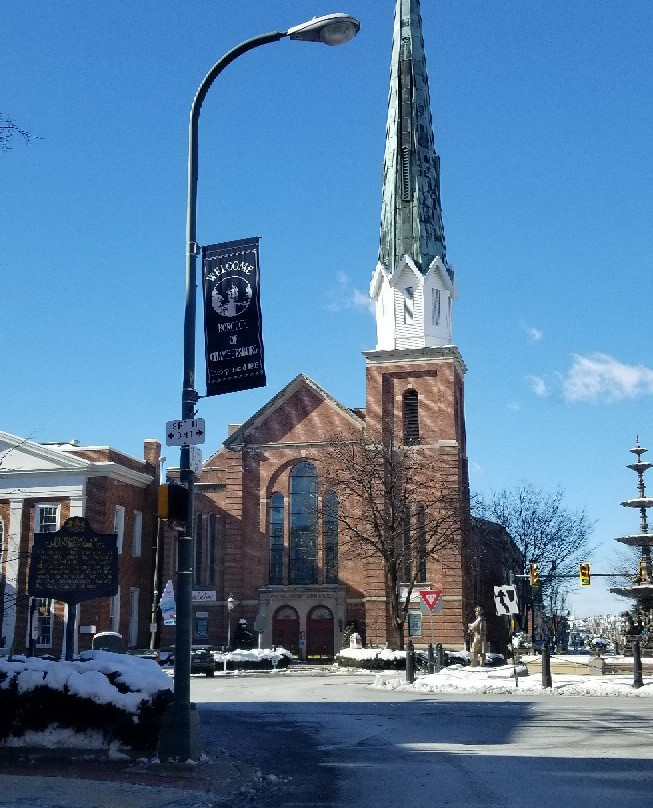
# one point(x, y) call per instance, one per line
point(47, 781)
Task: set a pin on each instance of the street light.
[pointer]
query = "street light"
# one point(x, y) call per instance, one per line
point(179, 739)
point(230, 607)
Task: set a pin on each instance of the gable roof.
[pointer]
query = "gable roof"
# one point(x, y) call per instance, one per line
point(21, 456)
point(239, 437)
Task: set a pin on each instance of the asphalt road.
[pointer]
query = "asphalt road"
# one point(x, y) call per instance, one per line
point(334, 741)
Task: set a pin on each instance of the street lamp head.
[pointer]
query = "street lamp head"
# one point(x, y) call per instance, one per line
point(331, 29)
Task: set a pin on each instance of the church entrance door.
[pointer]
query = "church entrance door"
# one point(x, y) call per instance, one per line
point(285, 629)
point(319, 634)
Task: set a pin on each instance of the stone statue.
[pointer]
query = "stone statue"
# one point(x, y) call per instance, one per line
point(477, 629)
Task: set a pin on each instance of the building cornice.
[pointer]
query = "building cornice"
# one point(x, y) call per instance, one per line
point(443, 353)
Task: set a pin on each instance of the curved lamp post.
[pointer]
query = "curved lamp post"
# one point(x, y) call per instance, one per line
point(179, 738)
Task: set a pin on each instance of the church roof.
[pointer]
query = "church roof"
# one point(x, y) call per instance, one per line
point(411, 212)
point(238, 438)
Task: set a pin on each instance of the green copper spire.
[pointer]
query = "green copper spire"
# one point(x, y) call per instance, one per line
point(411, 213)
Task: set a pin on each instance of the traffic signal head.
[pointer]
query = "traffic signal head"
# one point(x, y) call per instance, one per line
point(534, 574)
point(173, 502)
point(584, 573)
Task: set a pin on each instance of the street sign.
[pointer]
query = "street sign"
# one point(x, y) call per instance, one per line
point(431, 598)
point(505, 599)
point(188, 432)
point(195, 460)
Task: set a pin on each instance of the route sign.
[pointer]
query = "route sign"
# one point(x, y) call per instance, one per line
point(431, 597)
point(505, 599)
point(188, 432)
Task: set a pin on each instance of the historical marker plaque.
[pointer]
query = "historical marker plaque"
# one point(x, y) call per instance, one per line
point(74, 564)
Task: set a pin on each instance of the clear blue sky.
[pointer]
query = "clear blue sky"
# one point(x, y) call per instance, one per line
point(543, 119)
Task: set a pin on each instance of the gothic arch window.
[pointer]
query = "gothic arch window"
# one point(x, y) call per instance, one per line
point(408, 565)
point(213, 540)
point(276, 519)
point(436, 306)
point(199, 549)
point(409, 305)
point(421, 543)
point(330, 536)
point(303, 524)
point(411, 417)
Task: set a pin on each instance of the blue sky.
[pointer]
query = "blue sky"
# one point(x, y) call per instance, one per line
point(542, 117)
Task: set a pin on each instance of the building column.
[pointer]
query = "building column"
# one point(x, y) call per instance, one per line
point(12, 566)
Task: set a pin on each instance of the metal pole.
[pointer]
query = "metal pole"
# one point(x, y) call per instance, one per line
point(410, 662)
point(547, 682)
point(179, 739)
point(637, 665)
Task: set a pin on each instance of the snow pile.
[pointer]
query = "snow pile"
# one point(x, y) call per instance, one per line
point(113, 697)
point(460, 679)
point(254, 655)
point(372, 653)
point(101, 676)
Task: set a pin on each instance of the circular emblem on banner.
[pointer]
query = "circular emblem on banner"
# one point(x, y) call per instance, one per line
point(231, 296)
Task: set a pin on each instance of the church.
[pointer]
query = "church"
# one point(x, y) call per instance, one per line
point(269, 534)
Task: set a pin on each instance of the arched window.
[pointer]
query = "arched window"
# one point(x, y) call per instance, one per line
point(409, 304)
point(421, 543)
point(330, 536)
point(303, 524)
point(276, 539)
point(213, 539)
point(199, 549)
point(411, 417)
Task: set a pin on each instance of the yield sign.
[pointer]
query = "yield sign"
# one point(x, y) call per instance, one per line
point(430, 597)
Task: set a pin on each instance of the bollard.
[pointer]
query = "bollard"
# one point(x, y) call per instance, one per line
point(546, 667)
point(410, 662)
point(637, 665)
point(439, 657)
point(430, 658)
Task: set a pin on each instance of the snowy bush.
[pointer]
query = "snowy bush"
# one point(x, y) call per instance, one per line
point(257, 659)
point(371, 659)
point(119, 696)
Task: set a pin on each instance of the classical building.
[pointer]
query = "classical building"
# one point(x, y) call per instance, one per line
point(267, 531)
point(42, 485)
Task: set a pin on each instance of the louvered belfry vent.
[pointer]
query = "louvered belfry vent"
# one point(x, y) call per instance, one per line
point(411, 418)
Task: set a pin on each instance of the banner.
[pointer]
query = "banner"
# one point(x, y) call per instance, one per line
point(232, 317)
point(168, 606)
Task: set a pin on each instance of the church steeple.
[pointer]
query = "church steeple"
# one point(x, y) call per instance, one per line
point(412, 232)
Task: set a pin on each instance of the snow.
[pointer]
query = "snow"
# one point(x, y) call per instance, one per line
point(87, 677)
point(458, 679)
point(255, 655)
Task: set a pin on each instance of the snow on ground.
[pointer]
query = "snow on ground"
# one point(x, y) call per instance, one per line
point(463, 679)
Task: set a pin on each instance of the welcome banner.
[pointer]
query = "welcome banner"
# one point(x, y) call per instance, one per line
point(233, 331)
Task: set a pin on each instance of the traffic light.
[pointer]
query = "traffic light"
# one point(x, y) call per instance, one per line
point(534, 574)
point(173, 502)
point(584, 572)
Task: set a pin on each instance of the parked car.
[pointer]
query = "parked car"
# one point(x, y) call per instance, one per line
point(202, 661)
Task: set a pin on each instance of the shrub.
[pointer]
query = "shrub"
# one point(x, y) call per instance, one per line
point(101, 692)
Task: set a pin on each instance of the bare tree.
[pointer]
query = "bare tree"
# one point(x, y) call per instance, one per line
point(545, 531)
point(394, 509)
point(8, 129)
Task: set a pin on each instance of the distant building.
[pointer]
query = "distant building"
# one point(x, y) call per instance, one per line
point(266, 529)
point(41, 485)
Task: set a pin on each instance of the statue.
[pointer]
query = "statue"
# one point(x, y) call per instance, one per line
point(477, 629)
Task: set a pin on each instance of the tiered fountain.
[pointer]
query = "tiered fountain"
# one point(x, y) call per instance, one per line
point(638, 623)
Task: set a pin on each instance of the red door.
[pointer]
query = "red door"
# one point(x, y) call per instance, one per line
point(319, 633)
point(285, 629)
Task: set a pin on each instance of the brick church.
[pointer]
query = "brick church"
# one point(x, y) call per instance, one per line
point(268, 539)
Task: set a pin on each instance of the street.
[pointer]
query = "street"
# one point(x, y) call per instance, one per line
point(323, 740)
